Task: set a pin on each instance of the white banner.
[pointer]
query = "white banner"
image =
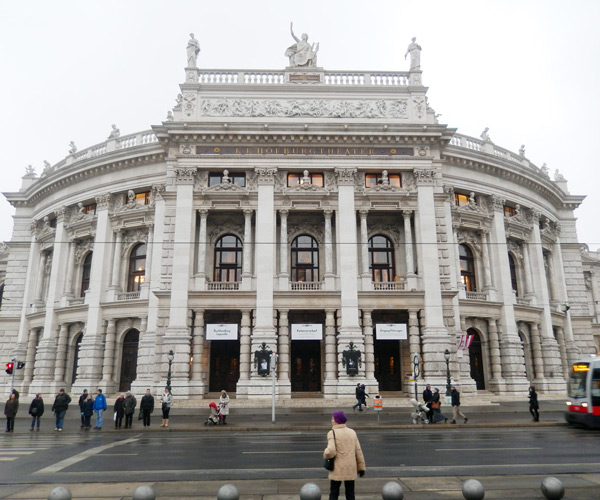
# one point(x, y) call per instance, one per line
point(221, 331)
point(307, 332)
point(391, 331)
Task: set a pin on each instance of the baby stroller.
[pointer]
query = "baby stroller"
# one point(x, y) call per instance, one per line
point(215, 415)
point(419, 414)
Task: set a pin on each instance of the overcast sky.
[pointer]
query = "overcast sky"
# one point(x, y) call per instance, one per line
point(528, 70)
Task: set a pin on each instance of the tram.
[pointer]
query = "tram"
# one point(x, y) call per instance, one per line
point(583, 405)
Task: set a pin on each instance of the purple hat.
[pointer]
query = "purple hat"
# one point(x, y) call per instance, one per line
point(339, 417)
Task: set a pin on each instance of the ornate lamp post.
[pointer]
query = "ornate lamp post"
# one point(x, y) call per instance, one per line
point(447, 358)
point(170, 356)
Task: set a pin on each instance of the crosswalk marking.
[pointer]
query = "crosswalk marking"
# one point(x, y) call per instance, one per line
point(15, 447)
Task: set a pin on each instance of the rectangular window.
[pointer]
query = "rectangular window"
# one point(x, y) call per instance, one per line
point(509, 211)
point(237, 178)
point(89, 209)
point(372, 180)
point(296, 179)
point(460, 200)
point(140, 198)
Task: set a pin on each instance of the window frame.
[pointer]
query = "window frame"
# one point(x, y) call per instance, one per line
point(136, 277)
point(237, 178)
point(298, 176)
point(378, 270)
point(468, 277)
point(308, 272)
point(224, 271)
point(86, 272)
point(395, 180)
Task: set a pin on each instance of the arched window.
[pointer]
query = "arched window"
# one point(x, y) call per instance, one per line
point(86, 271)
point(137, 268)
point(228, 259)
point(513, 273)
point(305, 259)
point(467, 268)
point(381, 258)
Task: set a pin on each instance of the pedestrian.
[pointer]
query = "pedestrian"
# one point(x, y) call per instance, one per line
point(82, 399)
point(129, 404)
point(224, 403)
point(436, 407)
point(87, 412)
point(456, 405)
point(534, 406)
point(119, 410)
point(147, 407)
point(364, 395)
point(427, 397)
point(60, 407)
point(99, 407)
point(10, 410)
point(166, 402)
point(16, 393)
point(358, 394)
point(36, 410)
point(343, 446)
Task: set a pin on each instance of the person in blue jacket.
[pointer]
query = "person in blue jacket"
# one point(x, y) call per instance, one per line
point(99, 407)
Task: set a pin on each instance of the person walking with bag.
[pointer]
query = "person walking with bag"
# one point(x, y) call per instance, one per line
point(36, 410)
point(534, 406)
point(166, 401)
point(348, 460)
point(147, 407)
point(436, 407)
point(456, 405)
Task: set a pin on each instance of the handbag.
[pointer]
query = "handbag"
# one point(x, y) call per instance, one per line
point(328, 464)
point(435, 405)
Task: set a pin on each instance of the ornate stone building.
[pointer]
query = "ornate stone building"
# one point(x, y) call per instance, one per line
point(324, 215)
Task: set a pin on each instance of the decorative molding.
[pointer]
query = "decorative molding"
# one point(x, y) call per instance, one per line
point(82, 247)
point(157, 192)
point(470, 238)
point(424, 176)
point(346, 176)
point(265, 175)
point(497, 203)
point(139, 235)
point(185, 175)
point(103, 201)
point(189, 104)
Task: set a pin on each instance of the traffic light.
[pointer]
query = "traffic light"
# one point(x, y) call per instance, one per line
point(9, 368)
point(20, 364)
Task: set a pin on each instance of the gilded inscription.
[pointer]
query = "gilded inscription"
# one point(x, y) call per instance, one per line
point(303, 151)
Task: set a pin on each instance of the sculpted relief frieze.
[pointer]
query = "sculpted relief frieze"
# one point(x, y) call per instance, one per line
point(319, 108)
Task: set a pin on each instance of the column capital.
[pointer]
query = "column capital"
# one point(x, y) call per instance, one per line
point(248, 212)
point(407, 213)
point(363, 212)
point(424, 176)
point(498, 203)
point(265, 175)
point(185, 175)
point(103, 201)
point(60, 214)
point(327, 213)
point(346, 176)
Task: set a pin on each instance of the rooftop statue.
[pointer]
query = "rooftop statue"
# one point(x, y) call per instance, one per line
point(522, 151)
point(414, 49)
point(302, 54)
point(558, 177)
point(29, 170)
point(72, 148)
point(485, 136)
point(193, 49)
point(115, 132)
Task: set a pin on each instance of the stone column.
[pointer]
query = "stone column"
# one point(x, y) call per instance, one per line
point(149, 251)
point(245, 340)
point(197, 351)
point(283, 250)
point(538, 361)
point(562, 346)
point(39, 290)
point(552, 279)
point(331, 373)
point(485, 257)
point(109, 354)
point(367, 325)
point(329, 274)
point(30, 357)
point(202, 242)
point(247, 249)
point(68, 291)
point(283, 351)
point(495, 354)
point(177, 335)
point(413, 332)
point(61, 354)
point(115, 282)
point(364, 244)
point(408, 243)
point(527, 270)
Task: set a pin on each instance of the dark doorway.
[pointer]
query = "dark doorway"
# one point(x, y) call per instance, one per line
point(476, 360)
point(75, 357)
point(224, 365)
point(305, 369)
point(129, 360)
point(387, 365)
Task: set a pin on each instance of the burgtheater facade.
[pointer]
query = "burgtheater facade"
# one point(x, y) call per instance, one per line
point(323, 215)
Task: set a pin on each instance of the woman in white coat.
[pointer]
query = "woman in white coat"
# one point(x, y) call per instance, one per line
point(224, 403)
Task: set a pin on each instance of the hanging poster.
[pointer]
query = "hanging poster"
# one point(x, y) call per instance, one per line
point(312, 331)
point(391, 331)
point(221, 331)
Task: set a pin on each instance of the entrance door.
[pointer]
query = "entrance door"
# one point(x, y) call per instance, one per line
point(129, 360)
point(224, 365)
point(305, 369)
point(76, 357)
point(387, 365)
point(476, 360)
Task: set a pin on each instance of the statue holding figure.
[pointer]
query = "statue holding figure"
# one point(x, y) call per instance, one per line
point(414, 49)
point(72, 148)
point(193, 49)
point(115, 132)
point(302, 54)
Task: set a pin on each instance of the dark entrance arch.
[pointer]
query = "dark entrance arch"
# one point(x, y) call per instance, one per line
point(76, 357)
point(387, 365)
point(476, 360)
point(129, 359)
point(224, 365)
point(305, 372)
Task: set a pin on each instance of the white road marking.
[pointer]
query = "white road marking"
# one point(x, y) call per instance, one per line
point(284, 452)
point(483, 449)
point(6, 459)
point(20, 452)
point(63, 464)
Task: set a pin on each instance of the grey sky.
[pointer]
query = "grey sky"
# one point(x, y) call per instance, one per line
point(528, 70)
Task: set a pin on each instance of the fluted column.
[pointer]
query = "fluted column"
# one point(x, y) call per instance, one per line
point(198, 346)
point(116, 270)
point(527, 270)
point(283, 346)
point(283, 243)
point(562, 347)
point(68, 291)
point(39, 290)
point(109, 351)
point(364, 242)
point(485, 257)
point(330, 346)
point(149, 251)
point(408, 242)
point(203, 213)
point(247, 257)
point(245, 338)
point(413, 332)
point(551, 279)
point(328, 242)
point(536, 349)
point(369, 345)
point(61, 353)
point(495, 355)
point(30, 356)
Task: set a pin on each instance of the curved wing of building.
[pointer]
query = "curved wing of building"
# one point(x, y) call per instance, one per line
point(325, 216)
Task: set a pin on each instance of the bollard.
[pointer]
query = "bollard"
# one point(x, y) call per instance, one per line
point(392, 491)
point(228, 492)
point(60, 493)
point(552, 488)
point(144, 493)
point(473, 490)
point(310, 491)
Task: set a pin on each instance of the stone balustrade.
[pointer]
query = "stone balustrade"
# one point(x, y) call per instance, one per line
point(306, 285)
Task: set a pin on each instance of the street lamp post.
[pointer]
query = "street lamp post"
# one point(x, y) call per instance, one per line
point(447, 358)
point(170, 357)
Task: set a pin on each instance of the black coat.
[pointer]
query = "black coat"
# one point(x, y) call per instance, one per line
point(427, 395)
point(455, 397)
point(38, 405)
point(82, 399)
point(61, 402)
point(533, 401)
point(118, 408)
point(11, 407)
point(147, 403)
point(88, 408)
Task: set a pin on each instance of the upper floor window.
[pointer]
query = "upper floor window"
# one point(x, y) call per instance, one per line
point(137, 268)
point(86, 271)
point(305, 259)
point(513, 273)
point(228, 259)
point(467, 268)
point(461, 200)
point(237, 178)
point(383, 178)
point(139, 198)
point(509, 211)
point(52, 222)
point(381, 258)
point(88, 209)
point(306, 177)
